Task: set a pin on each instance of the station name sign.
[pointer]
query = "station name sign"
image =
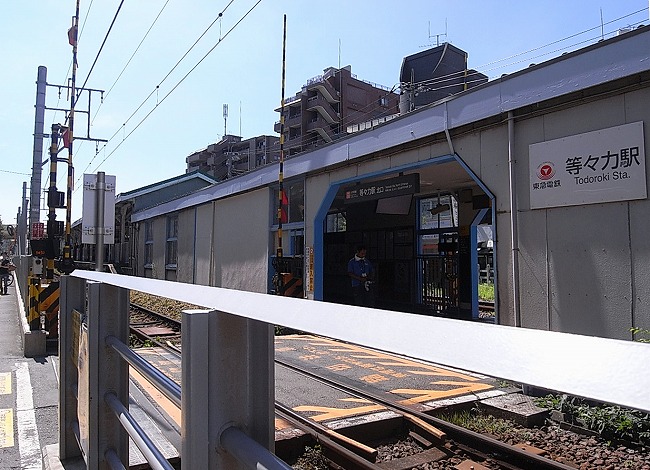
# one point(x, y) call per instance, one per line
point(601, 166)
point(392, 187)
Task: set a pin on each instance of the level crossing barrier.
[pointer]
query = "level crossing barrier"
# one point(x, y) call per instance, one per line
point(227, 379)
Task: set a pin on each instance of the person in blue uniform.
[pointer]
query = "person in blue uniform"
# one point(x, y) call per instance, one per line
point(361, 273)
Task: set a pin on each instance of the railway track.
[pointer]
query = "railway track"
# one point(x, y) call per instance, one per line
point(438, 440)
point(150, 328)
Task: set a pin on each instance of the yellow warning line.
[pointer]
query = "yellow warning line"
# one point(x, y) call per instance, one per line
point(7, 427)
point(165, 403)
point(5, 383)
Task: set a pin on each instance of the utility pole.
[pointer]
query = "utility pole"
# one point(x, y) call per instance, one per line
point(54, 201)
point(279, 262)
point(37, 162)
point(68, 266)
point(57, 199)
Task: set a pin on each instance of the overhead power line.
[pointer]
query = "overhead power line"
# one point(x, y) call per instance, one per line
point(102, 46)
point(135, 52)
point(221, 39)
point(219, 16)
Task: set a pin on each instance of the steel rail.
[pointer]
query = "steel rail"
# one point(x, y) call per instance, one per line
point(497, 450)
point(479, 445)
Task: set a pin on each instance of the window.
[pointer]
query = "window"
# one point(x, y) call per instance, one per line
point(171, 253)
point(438, 219)
point(438, 212)
point(294, 210)
point(336, 222)
point(148, 244)
point(293, 242)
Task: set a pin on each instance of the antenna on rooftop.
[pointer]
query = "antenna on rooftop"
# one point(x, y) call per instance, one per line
point(602, 28)
point(437, 36)
point(225, 119)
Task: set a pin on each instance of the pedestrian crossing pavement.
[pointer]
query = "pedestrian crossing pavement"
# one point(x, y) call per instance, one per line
point(18, 431)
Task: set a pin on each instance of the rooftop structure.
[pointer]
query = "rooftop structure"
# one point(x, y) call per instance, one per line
point(328, 104)
point(232, 156)
point(434, 74)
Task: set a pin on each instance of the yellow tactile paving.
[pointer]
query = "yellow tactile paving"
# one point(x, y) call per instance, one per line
point(6, 427)
point(5, 383)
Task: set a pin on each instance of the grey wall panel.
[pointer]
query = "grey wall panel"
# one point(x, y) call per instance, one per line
point(315, 189)
point(527, 131)
point(589, 270)
point(640, 243)
point(503, 252)
point(241, 250)
point(410, 156)
point(533, 292)
point(373, 166)
point(494, 164)
point(159, 246)
point(637, 109)
point(468, 147)
point(203, 244)
point(588, 117)
point(186, 234)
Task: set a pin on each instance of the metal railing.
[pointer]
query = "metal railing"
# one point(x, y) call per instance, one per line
point(227, 378)
point(95, 420)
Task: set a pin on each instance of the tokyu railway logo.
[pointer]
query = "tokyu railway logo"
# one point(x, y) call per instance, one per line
point(545, 171)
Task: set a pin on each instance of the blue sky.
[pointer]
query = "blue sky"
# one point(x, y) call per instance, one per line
point(243, 70)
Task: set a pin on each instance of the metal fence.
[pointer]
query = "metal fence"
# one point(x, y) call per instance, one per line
point(227, 380)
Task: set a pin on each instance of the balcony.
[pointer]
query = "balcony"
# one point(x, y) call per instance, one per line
point(323, 107)
point(292, 121)
point(292, 101)
point(320, 126)
point(326, 89)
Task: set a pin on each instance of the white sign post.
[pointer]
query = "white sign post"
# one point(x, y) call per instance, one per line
point(89, 213)
point(601, 166)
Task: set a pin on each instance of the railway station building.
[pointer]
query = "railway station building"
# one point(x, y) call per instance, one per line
point(550, 161)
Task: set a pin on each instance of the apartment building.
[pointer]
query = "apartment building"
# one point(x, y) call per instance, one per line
point(328, 104)
point(232, 156)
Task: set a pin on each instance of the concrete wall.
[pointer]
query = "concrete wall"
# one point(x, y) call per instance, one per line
point(187, 231)
point(241, 241)
point(204, 244)
point(583, 269)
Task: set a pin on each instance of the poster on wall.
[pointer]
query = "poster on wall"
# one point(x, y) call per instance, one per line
point(607, 165)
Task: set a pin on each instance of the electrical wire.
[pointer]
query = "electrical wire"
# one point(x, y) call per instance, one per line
point(436, 81)
point(180, 81)
point(92, 67)
point(15, 172)
point(134, 53)
point(442, 82)
point(219, 16)
point(484, 66)
point(566, 38)
point(123, 70)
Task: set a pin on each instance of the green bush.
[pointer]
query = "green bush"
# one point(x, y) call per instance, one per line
point(638, 332)
point(486, 292)
point(610, 422)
